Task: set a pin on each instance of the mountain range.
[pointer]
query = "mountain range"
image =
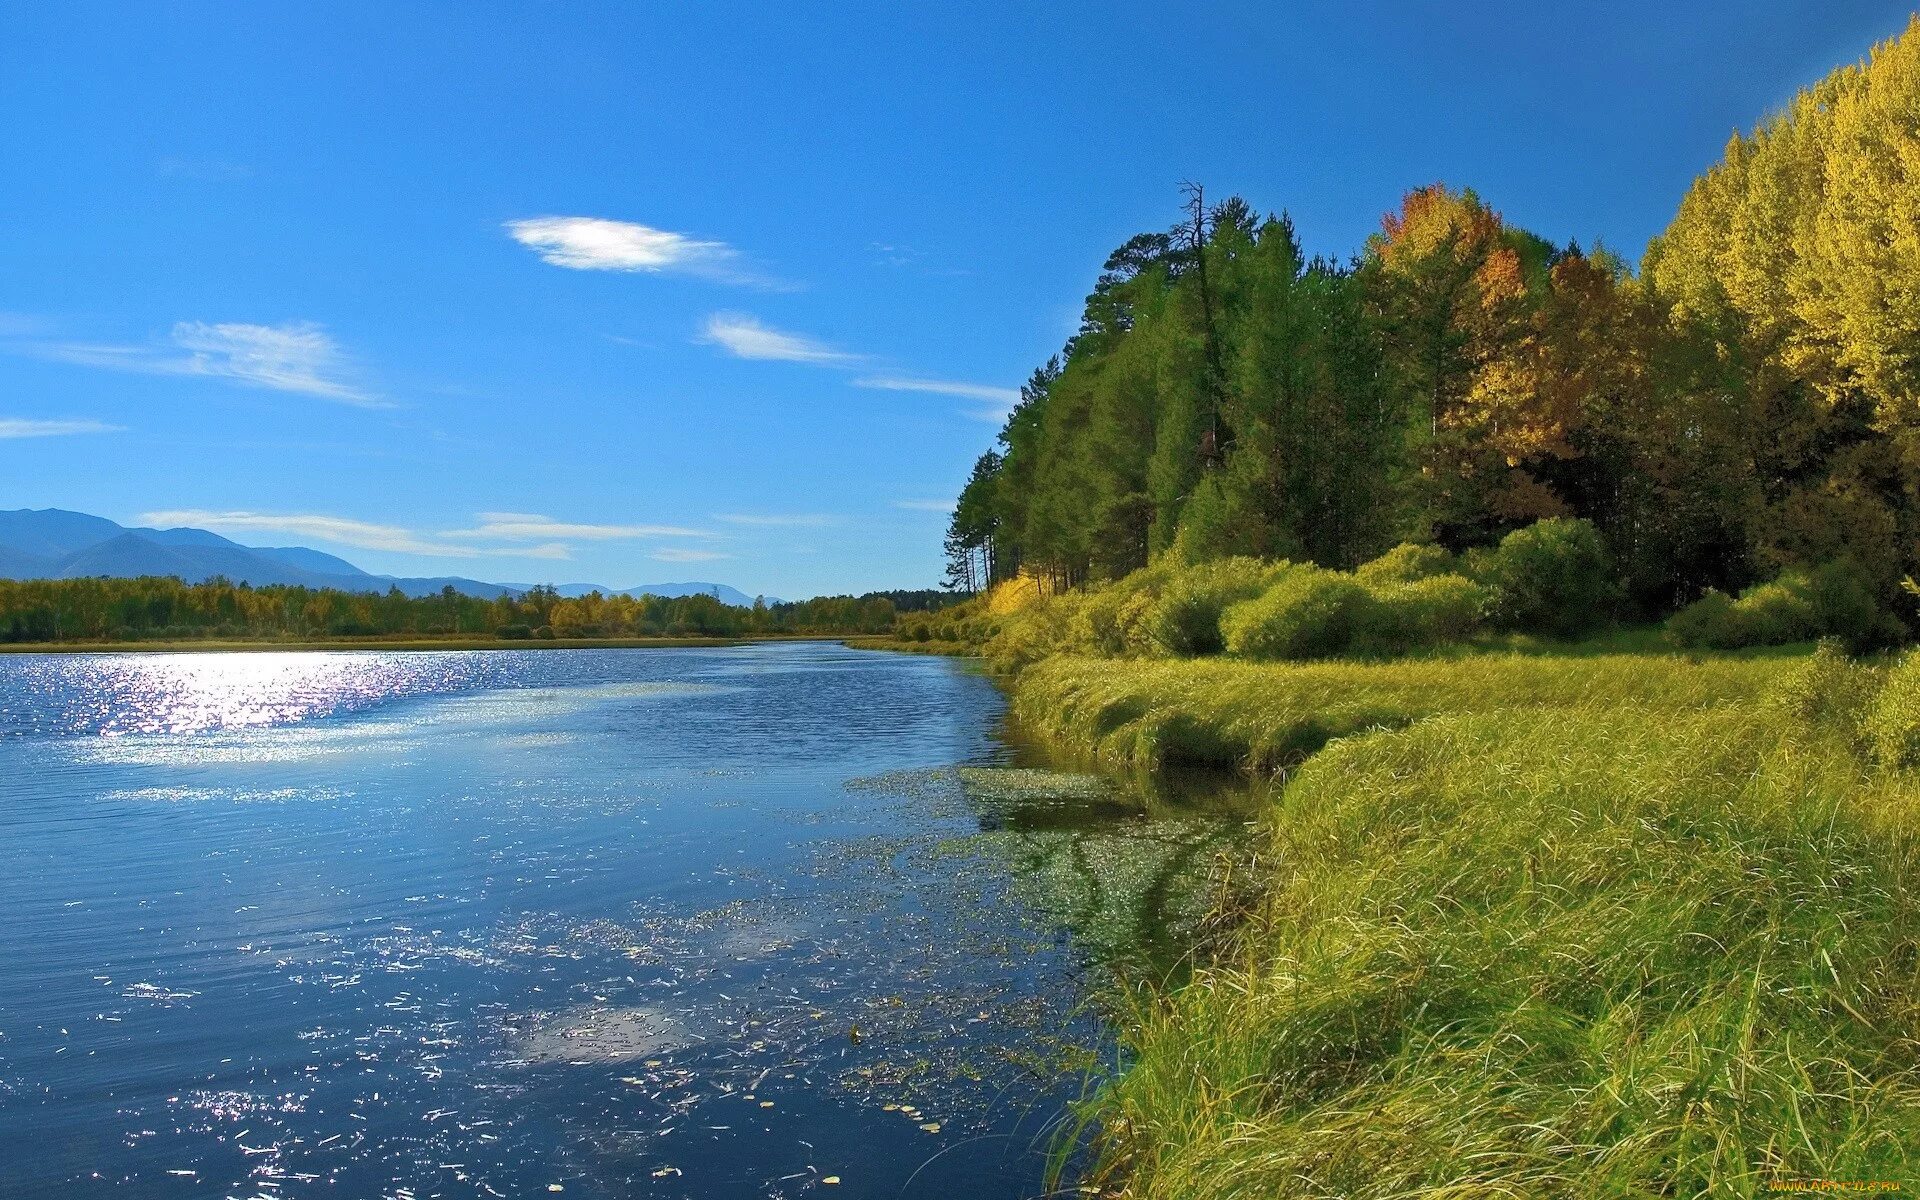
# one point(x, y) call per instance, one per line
point(52, 543)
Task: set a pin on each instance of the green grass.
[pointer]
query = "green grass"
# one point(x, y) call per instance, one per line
point(1615, 926)
point(1148, 714)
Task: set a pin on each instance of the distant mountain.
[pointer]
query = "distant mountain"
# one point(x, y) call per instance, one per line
point(727, 595)
point(53, 532)
point(310, 560)
point(51, 543)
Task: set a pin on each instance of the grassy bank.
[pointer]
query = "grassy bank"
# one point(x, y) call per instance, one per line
point(1621, 925)
point(1147, 714)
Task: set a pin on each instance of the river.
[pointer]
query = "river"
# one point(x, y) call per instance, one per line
point(758, 921)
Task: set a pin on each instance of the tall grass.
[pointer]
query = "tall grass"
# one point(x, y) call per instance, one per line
point(1151, 714)
point(1622, 926)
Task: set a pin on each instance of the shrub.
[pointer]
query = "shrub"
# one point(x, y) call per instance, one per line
point(1709, 623)
point(1776, 613)
point(1113, 622)
point(1553, 577)
point(1011, 595)
point(1426, 612)
point(1185, 620)
point(1830, 601)
point(1844, 607)
point(1406, 563)
point(1893, 721)
point(1043, 626)
point(1828, 693)
point(1309, 613)
point(514, 632)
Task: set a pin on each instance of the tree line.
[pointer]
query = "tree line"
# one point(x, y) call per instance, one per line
point(102, 609)
point(1746, 402)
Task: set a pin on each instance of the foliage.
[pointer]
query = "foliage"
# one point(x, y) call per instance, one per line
point(1828, 694)
point(1309, 613)
point(1184, 620)
point(1409, 562)
point(161, 608)
point(1435, 611)
point(1554, 577)
point(1829, 601)
point(1893, 722)
point(1749, 404)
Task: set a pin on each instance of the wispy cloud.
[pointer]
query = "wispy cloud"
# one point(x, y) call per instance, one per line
point(746, 337)
point(600, 244)
point(999, 400)
point(942, 387)
point(295, 357)
point(939, 506)
point(494, 535)
point(680, 554)
point(343, 531)
point(788, 520)
point(531, 527)
point(22, 427)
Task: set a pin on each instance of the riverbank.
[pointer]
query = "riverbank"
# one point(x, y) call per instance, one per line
point(1530, 926)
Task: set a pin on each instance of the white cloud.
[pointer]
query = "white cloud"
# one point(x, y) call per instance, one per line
point(345, 531)
point(811, 520)
point(295, 357)
point(21, 427)
point(944, 387)
point(939, 506)
point(745, 337)
point(1000, 400)
point(342, 531)
point(678, 554)
point(599, 244)
point(531, 527)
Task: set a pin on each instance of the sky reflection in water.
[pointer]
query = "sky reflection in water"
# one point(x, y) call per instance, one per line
point(667, 923)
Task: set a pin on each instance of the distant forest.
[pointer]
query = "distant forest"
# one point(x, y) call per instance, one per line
point(1746, 402)
point(68, 610)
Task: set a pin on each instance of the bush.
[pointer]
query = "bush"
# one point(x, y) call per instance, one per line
point(1830, 601)
point(1406, 563)
point(1113, 621)
point(1309, 613)
point(1553, 577)
point(1185, 620)
point(1777, 613)
point(1709, 623)
point(1844, 607)
point(1828, 693)
point(1427, 612)
point(1893, 721)
point(514, 632)
point(1042, 627)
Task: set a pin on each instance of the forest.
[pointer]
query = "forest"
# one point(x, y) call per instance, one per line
point(1745, 403)
point(1557, 603)
point(119, 610)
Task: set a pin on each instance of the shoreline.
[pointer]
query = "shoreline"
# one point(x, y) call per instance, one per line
point(450, 643)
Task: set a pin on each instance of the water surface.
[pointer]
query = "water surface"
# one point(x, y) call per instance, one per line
point(715, 922)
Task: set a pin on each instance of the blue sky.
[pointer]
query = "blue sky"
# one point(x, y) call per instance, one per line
point(622, 293)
